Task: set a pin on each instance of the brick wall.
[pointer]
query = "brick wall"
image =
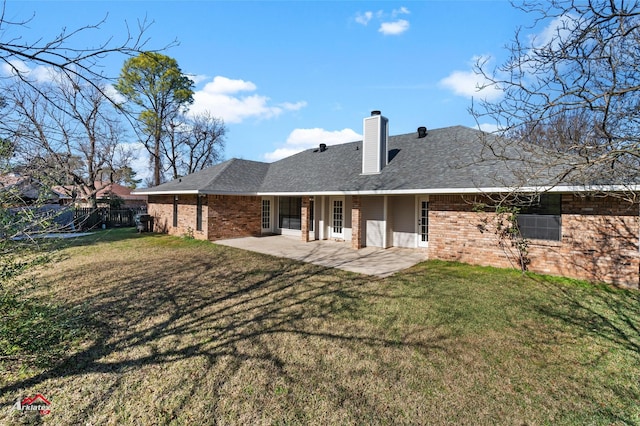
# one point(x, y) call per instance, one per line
point(223, 216)
point(161, 208)
point(356, 222)
point(233, 216)
point(599, 239)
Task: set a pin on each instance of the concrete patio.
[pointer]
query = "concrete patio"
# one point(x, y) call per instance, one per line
point(369, 260)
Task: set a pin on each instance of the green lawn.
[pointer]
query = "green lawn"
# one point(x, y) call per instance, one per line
point(150, 329)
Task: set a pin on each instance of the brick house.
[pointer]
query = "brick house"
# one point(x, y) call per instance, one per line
point(417, 190)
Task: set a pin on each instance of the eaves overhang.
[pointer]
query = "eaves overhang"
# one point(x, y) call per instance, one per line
point(422, 191)
point(193, 192)
point(469, 190)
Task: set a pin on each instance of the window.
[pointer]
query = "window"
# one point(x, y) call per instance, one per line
point(199, 214)
point(542, 220)
point(310, 213)
point(175, 211)
point(266, 214)
point(290, 212)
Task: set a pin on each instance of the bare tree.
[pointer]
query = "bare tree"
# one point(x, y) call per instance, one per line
point(574, 90)
point(67, 53)
point(71, 136)
point(23, 54)
point(194, 143)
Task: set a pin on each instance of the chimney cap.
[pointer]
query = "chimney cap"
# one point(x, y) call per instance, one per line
point(375, 112)
point(422, 132)
point(323, 147)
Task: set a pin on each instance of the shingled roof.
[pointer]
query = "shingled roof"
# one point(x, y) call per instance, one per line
point(452, 159)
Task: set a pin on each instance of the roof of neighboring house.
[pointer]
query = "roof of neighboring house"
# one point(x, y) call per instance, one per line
point(27, 187)
point(452, 159)
point(103, 190)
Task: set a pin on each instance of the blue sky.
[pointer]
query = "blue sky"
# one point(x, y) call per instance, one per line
point(286, 76)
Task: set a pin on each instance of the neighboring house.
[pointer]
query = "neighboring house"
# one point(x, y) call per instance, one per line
point(27, 190)
point(43, 205)
point(106, 191)
point(418, 191)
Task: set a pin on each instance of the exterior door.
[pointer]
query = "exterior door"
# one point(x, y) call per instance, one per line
point(423, 222)
point(337, 218)
point(266, 216)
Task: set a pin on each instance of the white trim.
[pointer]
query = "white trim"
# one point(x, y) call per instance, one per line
point(181, 192)
point(487, 190)
point(385, 221)
point(322, 220)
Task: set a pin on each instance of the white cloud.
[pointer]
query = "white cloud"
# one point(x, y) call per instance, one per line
point(470, 84)
point(559, 29)
point(489, 127)
point(364, 18)
point(301, 139)
point(223, 98)
point(139, 159)
point(197, 78)
point(39, 74)
point(226, 85)
point(113, 94)
point(394, 28)
point(389, 24)
point(402, 11)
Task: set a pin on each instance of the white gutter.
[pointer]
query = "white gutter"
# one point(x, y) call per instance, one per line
point(181, 192)
point(434, 191)
point(487, 190)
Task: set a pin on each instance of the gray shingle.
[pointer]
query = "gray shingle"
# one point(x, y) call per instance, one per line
point(453, 157)
point(448, 158)
point(234, 176)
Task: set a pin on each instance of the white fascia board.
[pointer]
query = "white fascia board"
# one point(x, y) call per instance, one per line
point(487, 190)
point(193, 192)
point(435, 191)
point(183, 192)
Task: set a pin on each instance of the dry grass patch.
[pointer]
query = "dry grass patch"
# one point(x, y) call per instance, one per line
point(186, 332)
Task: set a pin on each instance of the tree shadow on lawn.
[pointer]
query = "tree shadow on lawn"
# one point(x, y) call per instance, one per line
point(599, 310)
point(225, 304)
point(599, 322)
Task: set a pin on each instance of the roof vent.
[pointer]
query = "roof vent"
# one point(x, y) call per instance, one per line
point(375, 112)
point(422, 132)
point(323, 147)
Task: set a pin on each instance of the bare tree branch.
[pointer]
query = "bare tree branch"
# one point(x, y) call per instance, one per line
point(573, 90)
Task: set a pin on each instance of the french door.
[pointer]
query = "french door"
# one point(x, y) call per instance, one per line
point(337, 218)
point(266, 215)
point(423, 221)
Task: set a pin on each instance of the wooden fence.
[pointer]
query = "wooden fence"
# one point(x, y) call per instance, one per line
point(90, 218)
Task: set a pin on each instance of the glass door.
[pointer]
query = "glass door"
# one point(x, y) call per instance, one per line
point(423, 222)
point(266, 215)
point(337, 218)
